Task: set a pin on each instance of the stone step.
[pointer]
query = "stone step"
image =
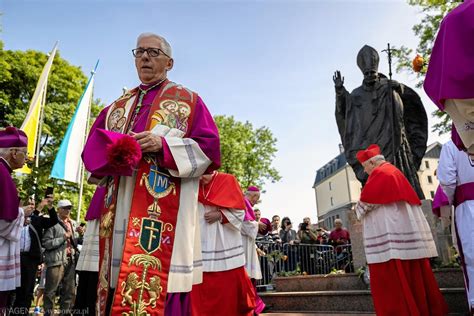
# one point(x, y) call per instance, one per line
point(447, 278)
point(344, 301)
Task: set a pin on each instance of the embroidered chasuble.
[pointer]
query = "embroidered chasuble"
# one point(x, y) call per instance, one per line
point(149, 229)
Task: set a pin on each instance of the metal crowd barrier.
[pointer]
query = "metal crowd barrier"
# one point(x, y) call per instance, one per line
point(301, 259)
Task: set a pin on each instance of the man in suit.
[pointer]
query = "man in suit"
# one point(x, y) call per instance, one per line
point(31, 254)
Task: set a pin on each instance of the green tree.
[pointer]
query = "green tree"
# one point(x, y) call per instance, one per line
point(246, 152)
point(20, 71)
point(434, 11)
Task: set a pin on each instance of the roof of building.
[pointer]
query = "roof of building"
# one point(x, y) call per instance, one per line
point(333, 166)
point(433, 150)
point(330, 168)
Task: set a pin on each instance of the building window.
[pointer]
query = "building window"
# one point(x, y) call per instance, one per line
point(427, 164)
point(432, 194)
point(330, 186)
point(332, 201)
point(430, 179)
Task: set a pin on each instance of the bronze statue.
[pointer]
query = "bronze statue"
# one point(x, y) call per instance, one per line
point(382, 112)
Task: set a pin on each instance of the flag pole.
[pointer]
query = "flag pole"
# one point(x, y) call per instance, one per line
point(40, 126)
point(81, 190)
point(82, 169)
point(41, 118)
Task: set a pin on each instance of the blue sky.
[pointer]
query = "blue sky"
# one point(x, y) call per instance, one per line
point(268, 62)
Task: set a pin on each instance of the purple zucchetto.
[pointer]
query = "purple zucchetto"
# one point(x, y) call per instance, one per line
point(13, 137)
point(253, 189)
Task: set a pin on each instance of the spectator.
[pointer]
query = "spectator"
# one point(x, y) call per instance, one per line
point(306, 235)
point(307, 220)
point(287, 235)
point(31, 252)
point(39, 292)
point(61, 250)
point(322, 236)
point(288, 238)
point(339, 236)
point(307, 255)
point(275, 230)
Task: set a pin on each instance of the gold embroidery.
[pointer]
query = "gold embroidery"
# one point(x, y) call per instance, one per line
point(154, 290)
point(173, 114)
point(158, 185)
point(153, 286)
point(136, 222)
point(106, 223)
point(129, 287)
point(116, 119)
point(103, 279)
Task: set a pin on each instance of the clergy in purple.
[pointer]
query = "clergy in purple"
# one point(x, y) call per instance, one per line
point(185, 148)
point(449, 81)
point(13, 144)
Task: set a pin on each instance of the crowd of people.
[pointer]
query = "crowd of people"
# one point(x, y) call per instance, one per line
point(309, 250)
point(282, 232)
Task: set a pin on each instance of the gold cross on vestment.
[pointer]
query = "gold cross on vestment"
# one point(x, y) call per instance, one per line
point(152, 229)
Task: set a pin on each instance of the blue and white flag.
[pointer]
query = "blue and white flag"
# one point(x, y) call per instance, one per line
point(67, 165)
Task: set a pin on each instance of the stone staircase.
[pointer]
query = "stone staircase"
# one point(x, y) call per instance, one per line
point(346, 294)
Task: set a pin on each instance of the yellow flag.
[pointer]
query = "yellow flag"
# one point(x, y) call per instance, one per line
point(32, 121)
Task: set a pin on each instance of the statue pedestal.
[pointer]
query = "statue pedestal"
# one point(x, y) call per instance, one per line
point(357, 240)
point(441, 234)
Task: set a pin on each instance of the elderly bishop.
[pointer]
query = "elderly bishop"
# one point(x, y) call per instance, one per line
point(149, 148)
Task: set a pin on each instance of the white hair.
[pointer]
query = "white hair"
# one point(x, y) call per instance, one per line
point(165, 46)
point(4, 151)
point(377, 158)
point(338, 220)
point(247, 193)
point(374, 159)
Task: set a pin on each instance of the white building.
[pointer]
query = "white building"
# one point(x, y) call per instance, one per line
point(337, 189)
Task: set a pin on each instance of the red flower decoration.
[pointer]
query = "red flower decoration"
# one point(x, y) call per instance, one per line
point(124, 153)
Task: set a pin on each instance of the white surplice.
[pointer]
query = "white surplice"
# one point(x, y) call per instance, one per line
point(89, 257)
point(221, 244)
point(395, 231)
point(252, 264)
point(10, 252)
point(455, 169)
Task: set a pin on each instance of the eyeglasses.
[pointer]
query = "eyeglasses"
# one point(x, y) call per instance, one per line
point(25, 152)
point(151, 51)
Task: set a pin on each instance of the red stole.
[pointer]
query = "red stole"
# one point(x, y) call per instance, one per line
point(142, 282)
point(387, 184)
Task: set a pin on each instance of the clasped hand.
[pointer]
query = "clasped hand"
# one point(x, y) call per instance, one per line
point(148, 141)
